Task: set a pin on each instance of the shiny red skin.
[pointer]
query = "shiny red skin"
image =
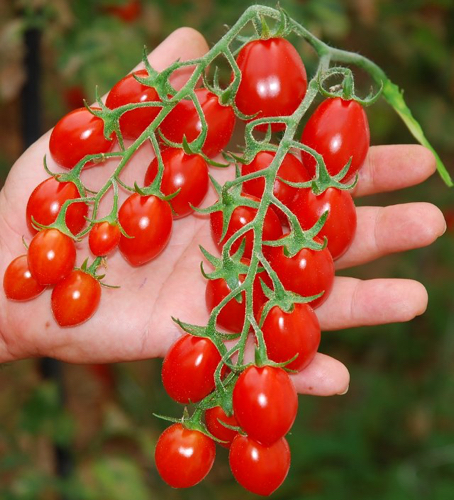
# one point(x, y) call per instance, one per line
point(51, 256)
point(148, 220)
point(265, 403)
point(127, 91)
point(189, 173)
point(273, 81)
point(46, 201)
point(294, 333)
point(260, 469)
point(103, 238)
point(184, 120)
point(242, 215)
point(213, 416)
point(77, 134)
point(307, 273)
point(75, 299)
point(338, 129)
point(18, 282)
point(188, 369)
point(184, 456)
point(340, 226)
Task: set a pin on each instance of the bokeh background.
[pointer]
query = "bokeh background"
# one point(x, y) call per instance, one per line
point(89, 433)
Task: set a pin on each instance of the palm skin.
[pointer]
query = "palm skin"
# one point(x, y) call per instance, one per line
point(133, 322)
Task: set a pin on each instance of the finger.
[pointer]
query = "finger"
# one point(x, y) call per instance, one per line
point(384, 230)
point(325, 376)
point(354, 302)
point(388, 168)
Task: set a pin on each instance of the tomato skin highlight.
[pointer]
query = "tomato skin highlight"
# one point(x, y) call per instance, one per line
point(18, 282)
point(103, 238)
point(184, 120)
point(338, 129)
point(213, 416)
point(75, 299)
point(77, 134)
point(340, 226)
point(189, 173)
point(148, 220)
point(265, 403)
point(128, 90)
point(258, 468)
point(184, 456)
point(273, 82)
point(51, 256)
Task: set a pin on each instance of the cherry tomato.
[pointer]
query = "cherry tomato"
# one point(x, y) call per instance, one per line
point(258, 468)
point(75, 298)
point(273, 79)
point(76, 135)
point(184, 456)
point(51, 256)
point(338, 130)
point(213, 420)
point(307, 273)
point(148, 220)
point(127, 12)
point(189, 173)
point(18, 282)
point(288, 334)
point(184, 120)
point(242, 215)
point(265, 403)
point(128, 90)
point(46, 201)
point(188, 369)
point(103, 238)
point(340, 226)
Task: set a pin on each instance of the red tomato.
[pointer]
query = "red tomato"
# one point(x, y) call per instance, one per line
point(51, 256)
point(338, 130)
point(273, 79)
point(46, 201)
point(307, 273)
point(103, 238)
point(148, 220)
point(242, 215)
point(127, 91)
point(288, 334)
point(76, 135)
point(188, 369)
point(74, 96)
point(18, 282)
point(265, 403)
point(213, 420)
point(340, 226)
point(183, 456)
point(260, 469)
point(128, 12)
point(184, 120)
point(189, 173)
point(75, 298)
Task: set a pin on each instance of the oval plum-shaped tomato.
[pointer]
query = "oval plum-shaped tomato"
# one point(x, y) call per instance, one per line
point(51, 256)
point(76, 135)
point(148, 221)
point(103, 238)
point(340, 226)
point(184, 456)
point(338, 130)
point(213, 420)
point(258, 468)
point(127, 91)
point(287, 334)
point(46, 201)
point(75, 299)
point(18, 282)
point(184, 120)
point(265, 403)
point(273, 79)
point(188, 173)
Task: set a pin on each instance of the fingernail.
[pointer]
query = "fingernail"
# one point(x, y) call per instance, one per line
point(345, 392)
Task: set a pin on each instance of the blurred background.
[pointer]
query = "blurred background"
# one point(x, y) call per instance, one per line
point(89, 433)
